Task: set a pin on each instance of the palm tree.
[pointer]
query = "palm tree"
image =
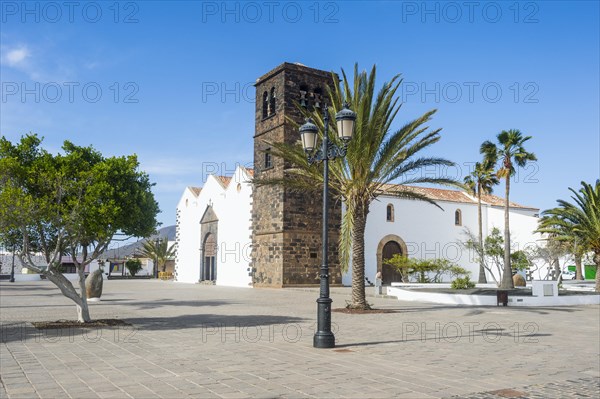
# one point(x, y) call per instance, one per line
point(159, 251)
point(578, 223)
point(377, 155)
point(481, 180)
point(509, 152)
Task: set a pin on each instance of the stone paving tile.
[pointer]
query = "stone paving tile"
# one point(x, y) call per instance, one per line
point(575, 388)
point(199, 349)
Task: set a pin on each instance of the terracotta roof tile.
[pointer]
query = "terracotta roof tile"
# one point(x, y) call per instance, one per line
point(195, 190)
point(440, 194)
point(224, 180)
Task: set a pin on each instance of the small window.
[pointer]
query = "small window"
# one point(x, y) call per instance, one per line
point(458, 218)
point(272, 102)
point(390, 213)
point(239, 187)
point(268, 159)
point(265, 105)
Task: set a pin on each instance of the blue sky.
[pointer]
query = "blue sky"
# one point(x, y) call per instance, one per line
point(172, 81)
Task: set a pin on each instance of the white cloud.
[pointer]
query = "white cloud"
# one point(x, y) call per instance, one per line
point(17, 57)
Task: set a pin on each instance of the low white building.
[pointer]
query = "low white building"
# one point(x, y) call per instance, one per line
point(214, 237)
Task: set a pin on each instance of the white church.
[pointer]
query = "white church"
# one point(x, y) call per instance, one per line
point(222, 238)
point(394, 225)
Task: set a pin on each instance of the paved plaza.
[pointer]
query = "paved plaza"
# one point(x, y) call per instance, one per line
point(217, 342)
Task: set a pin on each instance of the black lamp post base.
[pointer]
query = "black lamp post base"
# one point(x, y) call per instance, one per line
point(324, 339)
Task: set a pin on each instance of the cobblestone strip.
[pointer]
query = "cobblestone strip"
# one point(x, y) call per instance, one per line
point(574, 388)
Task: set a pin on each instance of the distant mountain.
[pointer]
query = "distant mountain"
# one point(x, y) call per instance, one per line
point(129, 249)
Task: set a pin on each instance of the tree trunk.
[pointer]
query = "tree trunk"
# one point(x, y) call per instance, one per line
point(358, 259)
point(482, 279)
point(507, 281)
point(557, 271)
point(597, 262)
point(578, 269)
point(83, 313)
point(69, 291)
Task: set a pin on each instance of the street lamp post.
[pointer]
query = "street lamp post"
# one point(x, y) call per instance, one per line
point(324, 337)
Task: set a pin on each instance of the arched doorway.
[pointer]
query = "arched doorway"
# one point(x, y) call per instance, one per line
point(209, 251)
point(390, 274)
point(387, 248)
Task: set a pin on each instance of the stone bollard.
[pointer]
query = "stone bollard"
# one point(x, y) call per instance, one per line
point(378, 287)
point(93, 285)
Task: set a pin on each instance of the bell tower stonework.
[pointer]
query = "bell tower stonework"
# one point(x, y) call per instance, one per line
point(286, 225)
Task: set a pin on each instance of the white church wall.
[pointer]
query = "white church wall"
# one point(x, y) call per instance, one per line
point(523, 223)
point(233, 256)
point(427, 231)
point(187, 262)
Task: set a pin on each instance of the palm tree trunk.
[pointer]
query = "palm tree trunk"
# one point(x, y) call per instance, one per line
point(557, 271)
point(358, 259)
point(597, 262)
point(507, 281)
point(482, 279)
point(578, 269)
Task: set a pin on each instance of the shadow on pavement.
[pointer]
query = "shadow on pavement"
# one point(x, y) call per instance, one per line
point(23, 331)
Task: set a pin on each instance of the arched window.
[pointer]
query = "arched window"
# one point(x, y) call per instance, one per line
point(318, 93)
point(390, 213)
point(458, 218)
point(272, 102)
point(303, 96)
point(265, 105)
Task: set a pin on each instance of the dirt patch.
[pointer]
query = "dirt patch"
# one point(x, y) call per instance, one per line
point(362, 311)
point(46, 325)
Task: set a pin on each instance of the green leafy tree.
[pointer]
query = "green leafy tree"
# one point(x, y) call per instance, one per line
point(70, 203)
point(158, 250)
point(377, 155)
point(577, 222)
point(134, 266)
point(492, 255)
point(550, 254)
point(481, 181)
point(508, 152)
point(425, 270)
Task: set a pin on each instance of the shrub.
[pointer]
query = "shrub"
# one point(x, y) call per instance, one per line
point(425, 270)
point(134, 266)
point(462, 283)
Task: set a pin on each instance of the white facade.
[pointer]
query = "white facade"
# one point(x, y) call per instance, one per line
point(425, 231)
point(230, 201)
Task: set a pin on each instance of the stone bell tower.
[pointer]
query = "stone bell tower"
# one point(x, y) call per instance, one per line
point(286, 225)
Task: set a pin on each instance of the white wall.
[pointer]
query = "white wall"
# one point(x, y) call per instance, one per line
point(233, 209)
point(523, 224)
point(430, 232)
point(187, 261)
